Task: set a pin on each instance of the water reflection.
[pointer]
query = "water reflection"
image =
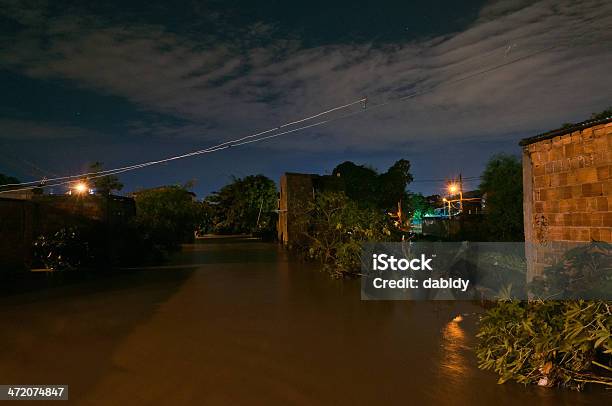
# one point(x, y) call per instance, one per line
point(250, 325)
point(453, 363)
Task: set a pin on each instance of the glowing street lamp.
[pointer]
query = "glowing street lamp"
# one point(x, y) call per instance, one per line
point(81, 188)
point(446, 201)
point(453, 189)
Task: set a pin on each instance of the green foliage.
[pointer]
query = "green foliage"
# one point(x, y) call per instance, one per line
point(360, 182)
point(166, 216)
point(419, 206)
point(392, 184)
point(585, 272)
point(63, 250)
point(370, 189)
point(244, 206)
point(104, 184)
point(338, 227)
point(549, 343)
point(5, 180)
point(602, 114)
point(502, 182)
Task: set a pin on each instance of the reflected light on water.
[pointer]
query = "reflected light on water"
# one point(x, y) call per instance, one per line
point(454, 343)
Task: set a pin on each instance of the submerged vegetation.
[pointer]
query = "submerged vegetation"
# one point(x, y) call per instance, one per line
point(337, 228)
point(564, 343)
point(340, 220)
point(66, 249)
point(548, 343)
point(166, 216)
point(244, 206)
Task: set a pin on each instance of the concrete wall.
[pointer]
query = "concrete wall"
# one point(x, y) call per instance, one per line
point(16, 234)
point(296, 193)
point(567, 187)
point(22, 221)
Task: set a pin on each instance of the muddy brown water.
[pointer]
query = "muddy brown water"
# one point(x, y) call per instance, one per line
point(238, 322)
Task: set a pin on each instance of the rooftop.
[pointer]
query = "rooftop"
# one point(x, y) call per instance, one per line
point(565, 130)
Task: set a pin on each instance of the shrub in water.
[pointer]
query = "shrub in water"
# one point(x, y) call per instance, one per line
point(63, 250)
point(549, 343)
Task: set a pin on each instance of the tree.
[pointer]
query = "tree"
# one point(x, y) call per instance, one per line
point(419, 205)
point(105, 184)
point(392, 184)
point(6, 180)
point(245, 206)
point(502, 182)
point(337, 230)
point(359, 181)
point(370, 189)
point(166, 216)
point(602, 114)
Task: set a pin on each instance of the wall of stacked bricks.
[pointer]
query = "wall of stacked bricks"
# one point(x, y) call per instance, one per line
point(571, 199)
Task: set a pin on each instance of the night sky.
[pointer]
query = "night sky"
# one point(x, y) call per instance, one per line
point(124, 82)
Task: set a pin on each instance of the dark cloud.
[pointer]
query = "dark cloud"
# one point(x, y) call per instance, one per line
point(208, 84)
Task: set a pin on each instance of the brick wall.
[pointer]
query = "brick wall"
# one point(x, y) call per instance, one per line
point(567, 189)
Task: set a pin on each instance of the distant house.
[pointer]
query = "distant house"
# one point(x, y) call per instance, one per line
point(474, 203)
point(451, 223)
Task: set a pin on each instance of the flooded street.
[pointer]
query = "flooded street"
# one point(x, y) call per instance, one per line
point(236, 322)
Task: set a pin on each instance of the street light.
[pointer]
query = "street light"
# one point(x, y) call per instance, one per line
point(81, 188)
point(457, 188)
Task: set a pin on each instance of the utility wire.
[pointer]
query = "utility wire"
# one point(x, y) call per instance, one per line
point(190, 154)
point(253, 137)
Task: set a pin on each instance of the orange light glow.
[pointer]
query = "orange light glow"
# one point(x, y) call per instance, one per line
point(81, 188)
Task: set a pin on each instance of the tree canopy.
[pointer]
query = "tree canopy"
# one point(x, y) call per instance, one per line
point(104, 184)
point(6, 179)
point(166, 216)
point(502, 182)
point(369, 188)
point(246, 205)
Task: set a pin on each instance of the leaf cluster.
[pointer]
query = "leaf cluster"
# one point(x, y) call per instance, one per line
point(549, 343)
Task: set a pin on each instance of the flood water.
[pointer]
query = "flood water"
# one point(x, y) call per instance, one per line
point(237, 322)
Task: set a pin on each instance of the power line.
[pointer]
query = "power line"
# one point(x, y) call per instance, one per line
point(198, 152)
point(253, 137)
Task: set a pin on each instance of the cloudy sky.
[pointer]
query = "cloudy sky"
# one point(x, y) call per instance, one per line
point(124, 82)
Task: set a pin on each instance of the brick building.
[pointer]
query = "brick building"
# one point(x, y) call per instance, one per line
point(567, 188)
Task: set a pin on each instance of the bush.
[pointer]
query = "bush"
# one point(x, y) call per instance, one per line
point(549, 343)
point(337, 229)
point(166, 216)
point(584, 273)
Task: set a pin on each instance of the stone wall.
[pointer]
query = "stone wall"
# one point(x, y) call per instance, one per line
point(567, 189)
